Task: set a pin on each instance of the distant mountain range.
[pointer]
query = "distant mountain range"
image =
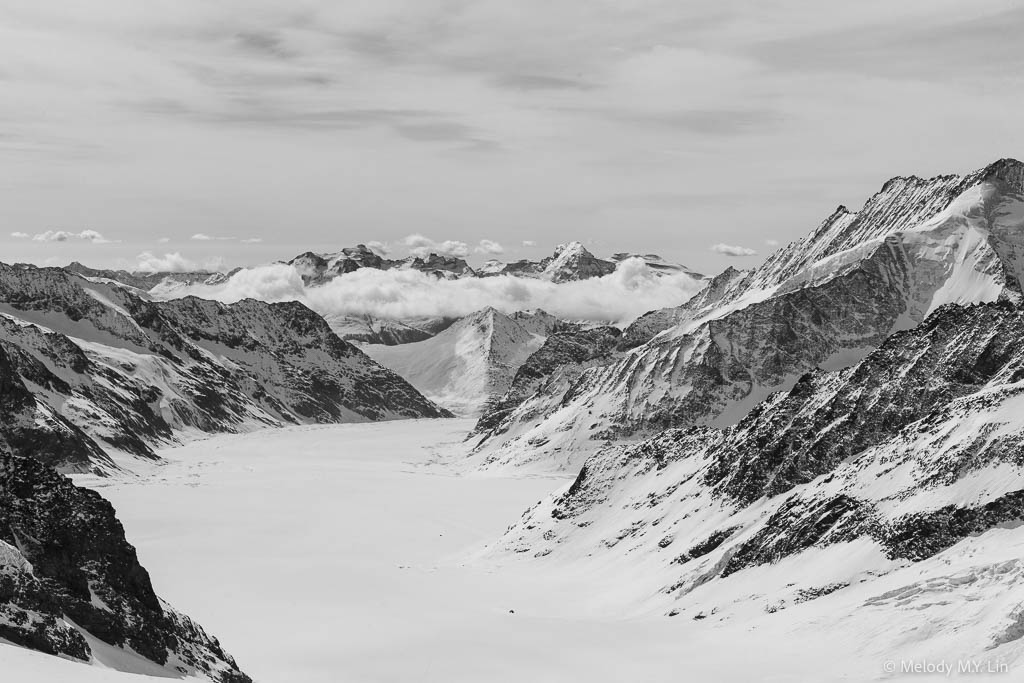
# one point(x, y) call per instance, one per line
point(570, 262)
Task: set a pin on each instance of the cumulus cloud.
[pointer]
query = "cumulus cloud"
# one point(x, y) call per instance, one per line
point(731, 250)
point(529, 243)
point(619, 297)
point(163, 240)
point(489, 247)
point(173, 262)
point(65, 236)
point(378, 248)
point(252, 240)
point(20, 235)
point(772, 243)
point(422, 246)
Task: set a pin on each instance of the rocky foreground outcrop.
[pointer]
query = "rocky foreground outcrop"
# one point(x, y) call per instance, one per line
point(66, 571)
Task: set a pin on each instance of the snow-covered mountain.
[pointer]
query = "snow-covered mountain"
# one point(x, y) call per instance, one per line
point(471, 362)
point(824, 301)
point(657, 264)
point(145, 281)
point(92, 357)
point(890, 491)
point(320, 268)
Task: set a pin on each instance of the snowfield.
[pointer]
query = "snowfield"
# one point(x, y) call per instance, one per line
point(358, 553)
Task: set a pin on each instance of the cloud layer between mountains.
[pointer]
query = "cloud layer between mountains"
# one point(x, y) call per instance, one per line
point(617, 298)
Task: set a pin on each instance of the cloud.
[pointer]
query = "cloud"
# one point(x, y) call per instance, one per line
point(20, 235)
point(378, 248)
point(65, 236)
point(163, 240)
point(173, 262)
point(619, 297)
point(489, 247)
point(730, 250)
point(422, 246)
point(529, 243)
point(203, 237)
point(772, 243)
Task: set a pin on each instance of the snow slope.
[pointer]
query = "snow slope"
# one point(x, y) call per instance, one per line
point(267, 538)
point(471, 362)
point(884, 501)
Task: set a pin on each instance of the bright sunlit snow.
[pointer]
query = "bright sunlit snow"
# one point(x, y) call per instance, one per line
point(353, 553)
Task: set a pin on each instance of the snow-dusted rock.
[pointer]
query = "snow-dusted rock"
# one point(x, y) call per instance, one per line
point(893, 466)
point(129, 373)
point(824, 301)
point(67, 575)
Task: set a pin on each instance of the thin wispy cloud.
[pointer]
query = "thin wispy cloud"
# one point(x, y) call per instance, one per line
point(732, 250)
point(66, 236)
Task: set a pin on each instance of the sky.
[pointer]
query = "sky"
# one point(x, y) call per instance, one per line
point(184, 133)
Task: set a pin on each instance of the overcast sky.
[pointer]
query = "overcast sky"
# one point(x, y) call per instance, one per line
point(704, 131)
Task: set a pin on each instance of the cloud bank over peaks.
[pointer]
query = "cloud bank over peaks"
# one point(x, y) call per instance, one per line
point(617, 298)
point(423, 246)
point(174, 262)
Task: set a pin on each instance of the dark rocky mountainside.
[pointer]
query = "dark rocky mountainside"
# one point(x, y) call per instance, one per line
point(128, 372)
point(66, 571)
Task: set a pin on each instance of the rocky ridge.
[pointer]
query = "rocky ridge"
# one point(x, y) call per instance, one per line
point(866, 482)
point(94, 358)
point(824, 301)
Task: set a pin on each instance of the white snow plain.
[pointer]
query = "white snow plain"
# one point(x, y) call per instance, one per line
point(357, 553)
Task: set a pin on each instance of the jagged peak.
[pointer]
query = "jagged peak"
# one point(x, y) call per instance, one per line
point(571, 248)
point(1008, 170)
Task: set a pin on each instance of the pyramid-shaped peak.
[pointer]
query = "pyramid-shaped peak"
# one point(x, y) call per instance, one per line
point(1008, 170)
point(572, 248)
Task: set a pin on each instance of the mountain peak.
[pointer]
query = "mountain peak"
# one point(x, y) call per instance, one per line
point(1008, 170)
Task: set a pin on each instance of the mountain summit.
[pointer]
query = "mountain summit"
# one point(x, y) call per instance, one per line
point(824, 301)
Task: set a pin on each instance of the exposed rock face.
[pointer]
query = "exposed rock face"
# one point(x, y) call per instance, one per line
point(128, 372)
point(317, 269)
point(66, 569)
point(824, 301)
point(892, 461)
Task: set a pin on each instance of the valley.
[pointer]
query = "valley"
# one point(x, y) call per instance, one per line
point(358, 553)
